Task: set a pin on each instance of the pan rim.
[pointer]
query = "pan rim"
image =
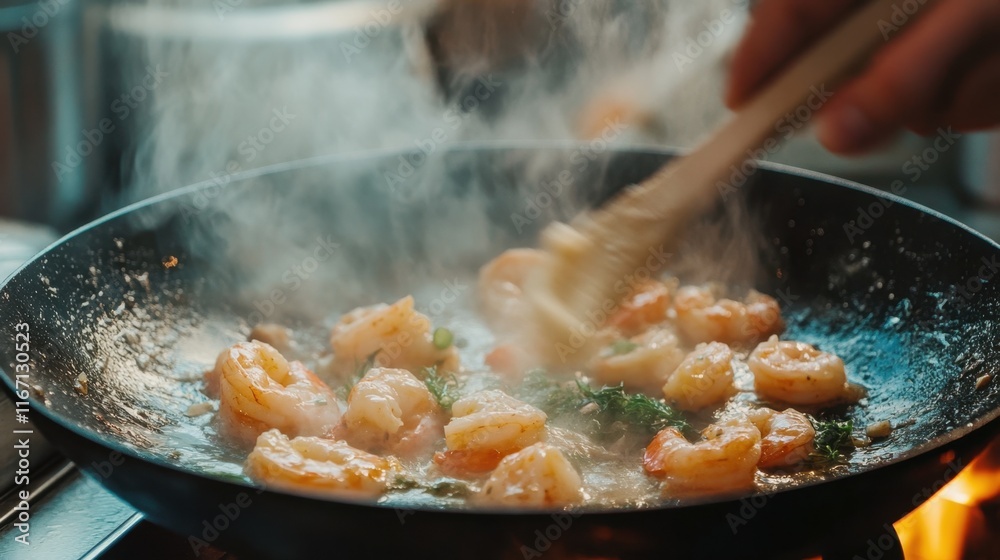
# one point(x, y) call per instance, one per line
point(496, 146)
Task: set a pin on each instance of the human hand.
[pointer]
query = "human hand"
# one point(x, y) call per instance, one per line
point(941, 70)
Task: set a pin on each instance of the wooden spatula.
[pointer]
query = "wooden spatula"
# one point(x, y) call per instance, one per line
point(591, 259)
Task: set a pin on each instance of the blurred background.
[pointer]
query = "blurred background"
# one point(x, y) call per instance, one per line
point(106, 102)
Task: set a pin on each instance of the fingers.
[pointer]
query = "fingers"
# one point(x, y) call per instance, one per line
point(778, 30)
point(976, 102)
point(908, 79)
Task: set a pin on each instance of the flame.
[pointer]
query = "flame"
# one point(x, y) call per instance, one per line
point(949, 521)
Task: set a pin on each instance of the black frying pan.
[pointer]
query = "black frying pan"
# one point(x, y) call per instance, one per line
point(908, 299)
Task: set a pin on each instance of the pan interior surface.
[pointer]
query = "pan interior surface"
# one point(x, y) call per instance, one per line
point(127, 314)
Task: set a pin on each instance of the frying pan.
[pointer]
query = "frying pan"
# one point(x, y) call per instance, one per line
point(142, 300)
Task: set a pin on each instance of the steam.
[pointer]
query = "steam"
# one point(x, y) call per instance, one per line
point(254, 83)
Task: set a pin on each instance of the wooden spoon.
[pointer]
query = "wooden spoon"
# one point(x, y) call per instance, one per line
point(591, 260)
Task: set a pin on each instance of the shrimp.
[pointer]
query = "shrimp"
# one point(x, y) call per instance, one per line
point(703, 318)
point(278, 336)
point(397, 335)
point(643, 363)
point(725, 460)
point(485, 427)
point(501, 287)
point(318, 466)
point(786, 437)
point(537, 476)
point(260, 390)
point(798, 373)
point(647, 305)
point(508, 360)
point(704, 378)
point(385, 405)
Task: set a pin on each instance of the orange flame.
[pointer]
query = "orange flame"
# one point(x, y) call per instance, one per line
point(943, 526)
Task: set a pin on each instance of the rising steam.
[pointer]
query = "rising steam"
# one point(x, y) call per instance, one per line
point(249, 84)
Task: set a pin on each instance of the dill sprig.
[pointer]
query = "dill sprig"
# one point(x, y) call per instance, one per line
point(635, 409)
point(610, 412)
point(444, 387)
point(832, 440)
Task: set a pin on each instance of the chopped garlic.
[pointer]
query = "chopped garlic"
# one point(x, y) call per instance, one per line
point(983, 381)
point(879, 429)
point(199, 408)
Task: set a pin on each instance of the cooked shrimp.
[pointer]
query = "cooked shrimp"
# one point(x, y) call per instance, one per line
point(509, 360)
point(647, 305)
point(501, 287)
point(703, 318)
point(385, 405)
point(318, 466)
point(397, 335)
point(537, 476)
point(484, 427)
point(786, 437)
point(493, 419)
point(704, 378)
point(643, 363)
point(260, 390)
point(724, 461)
point(278, 336)
point(797, 373)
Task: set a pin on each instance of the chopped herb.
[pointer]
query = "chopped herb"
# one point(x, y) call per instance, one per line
point(832, 440)
point(636, 410)
point(446, 488)
point(359, 372)
point(444, 387)
point(623, 346)
point(442, 338)
point(609, 412)
point(554, 397)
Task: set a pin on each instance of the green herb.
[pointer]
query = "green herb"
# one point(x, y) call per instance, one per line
point(446, 488)
point(623, 346)
point(442, 338)
point(554, 397)
point(359, 372)
point(610, 412)
point(832, 440)
point(444, 387)
point(635, 410)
